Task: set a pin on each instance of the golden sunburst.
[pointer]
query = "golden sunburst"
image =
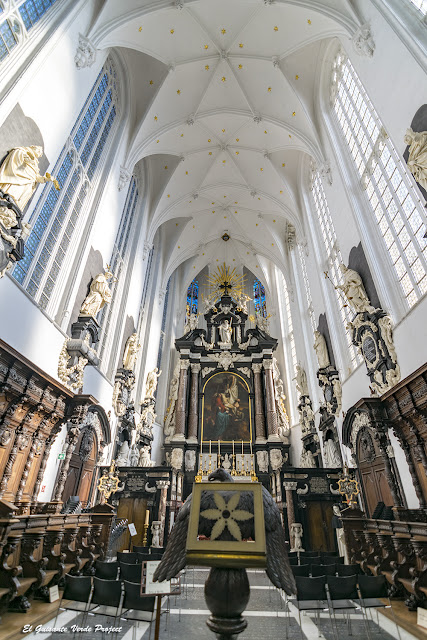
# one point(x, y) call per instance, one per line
point(225, 280)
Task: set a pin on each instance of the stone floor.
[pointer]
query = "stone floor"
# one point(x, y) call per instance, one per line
point(268, 615)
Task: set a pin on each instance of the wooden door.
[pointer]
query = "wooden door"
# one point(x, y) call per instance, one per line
point(320, 534)
point(82, 465)
point(372, 472)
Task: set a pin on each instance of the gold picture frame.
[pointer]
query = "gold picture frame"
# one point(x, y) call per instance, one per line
point(223, 553)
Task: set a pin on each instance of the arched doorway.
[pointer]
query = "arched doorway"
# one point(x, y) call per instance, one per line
point(372, 471)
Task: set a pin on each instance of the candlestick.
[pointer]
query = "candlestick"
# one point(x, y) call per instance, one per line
point(210, 446)
point(233, 460)
point(242, 447)
point(219, 452)
point(250, 442)
point(147, 516)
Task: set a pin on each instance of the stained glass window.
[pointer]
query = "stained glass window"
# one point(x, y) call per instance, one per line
point(57, 213)
point(32, 10)
point(7, 40)
point(395, 204)
point(259, 299)
point(192, 298)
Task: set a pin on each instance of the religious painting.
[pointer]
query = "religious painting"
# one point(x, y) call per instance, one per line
point(226, 413)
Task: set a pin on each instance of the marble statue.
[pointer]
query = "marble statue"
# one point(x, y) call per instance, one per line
point(190, 460)
point(131, 352)
point(417, 160)
point(276, 459)
point(19, 174)
point(354, 290)
point(155, 532)
point(177, 458)
point(242, 301)
point(122, 458)
point(226, 464)
point(151, 383)
point(321, 350)
point(191, 324)
point(307, 460)
point(169, 427)
point(145, 457)
point(262, 461)
point(331, 454)
point(387, 335)
point(134, 456)
point(301, 381)
point(225, 331)
point(8, 220)
point(98, 296)
point(296, 535)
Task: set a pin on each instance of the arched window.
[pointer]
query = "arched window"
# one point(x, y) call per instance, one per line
point(333, 256)
point(118, 263)
point(192, 298)
point(19, 18)
point(310, 309)
point(58, 213)
point(393, 197)
point(259, 299)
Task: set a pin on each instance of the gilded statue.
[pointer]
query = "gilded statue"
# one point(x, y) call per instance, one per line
point(151, 383)
point(98, 296)
point(354, 290)
point(321, 350)
point(417, 160)
point(20, 175)
point(131, 352)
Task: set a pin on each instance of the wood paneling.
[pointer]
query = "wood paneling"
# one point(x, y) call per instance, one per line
point(320, 532)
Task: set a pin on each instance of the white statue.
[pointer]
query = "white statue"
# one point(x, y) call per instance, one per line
point(19, 174)
point(190, 460)
point(151, 383)
point(307, 460)
point(417, 160)
point(354, 290)
point(242, 301)
point(145, 457)
point(98, 296)
point(226, 464)
point(321, 350)
point(387, 335)
point(331, 456)
point(301, 381)
point(225, 331)
point(263, 323)
point(262, 461)
point(177, 458)
point(8, 220)
point(155, 532)
point(134, 456)
point(169, 420)
point(338, 394)
point(131, 351)
point(122, 458)
point(276, 459)
point(192, 322)
point(296, 536)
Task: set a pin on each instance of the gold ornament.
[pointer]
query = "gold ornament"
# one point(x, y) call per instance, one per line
point(108, 484)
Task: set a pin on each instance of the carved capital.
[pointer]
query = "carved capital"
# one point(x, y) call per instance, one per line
point(257, 367)
point(85, 53)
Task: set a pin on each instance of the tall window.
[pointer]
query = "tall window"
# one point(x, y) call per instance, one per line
point(393, 198)
point(29, 13)
point(57, 213)
point(333, 256)
point(119, 260)
point(192, 298)
point(310, 309)
point(421, 5)
point(163, 327)
point(259, 299)
point(290, 327)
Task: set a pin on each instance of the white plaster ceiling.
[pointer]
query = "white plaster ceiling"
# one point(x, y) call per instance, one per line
point(225, 131)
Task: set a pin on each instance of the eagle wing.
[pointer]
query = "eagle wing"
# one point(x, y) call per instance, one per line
point(174, 559)
point(278, 568)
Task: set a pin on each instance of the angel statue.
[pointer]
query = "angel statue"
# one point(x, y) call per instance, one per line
point(232, 517)
point(354, 290)
point(19, 174)
point(99, 294)
point(151, 383)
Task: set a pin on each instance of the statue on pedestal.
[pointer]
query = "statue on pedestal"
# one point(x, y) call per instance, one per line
point(417, 160)
point(296, 535)
point(307, 460)
point(151, 383)
point(301, 381)
point(354, 290)
point(192, 322)
point(321, 350)
point(123, 456)
point(19, 174)
point(98, 296)
point(155, 532)
point(169, 427)
point(131, 352)
point(145, 457)
point(225, 332)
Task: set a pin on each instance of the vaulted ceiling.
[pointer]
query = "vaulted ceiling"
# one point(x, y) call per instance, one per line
point(223, 110)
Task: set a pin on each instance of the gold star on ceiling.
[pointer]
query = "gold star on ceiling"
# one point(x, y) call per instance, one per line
point(276, 28)
point(210, 153)
point(309, 21)
point(281, 191)
point(206, 46)
point(224, 161)
point(186, 173)
point(240, 66)
point(155, 118)
point(274, 221)
point(297, 77)
point(223, 31)
point(283, 164)
point(140, 29)
point(166, 166)
point(269, 89)
point(169, 195)
point(223, 79)
point(237, 153)
point(172, 31)
point(151, 82)
point(206, 67)
point(261, 169)
point(241, 45)
point(265, 131)
point(182, 135)
point(157, 141)
point(223, 130)
point(209, 140)
point(179, 92)
point(293, 113)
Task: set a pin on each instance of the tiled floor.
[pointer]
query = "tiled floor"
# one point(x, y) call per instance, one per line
point(268, 615)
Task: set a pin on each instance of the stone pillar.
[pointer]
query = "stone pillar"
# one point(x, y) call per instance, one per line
point(259, 409)
point(289, 488)
point(162, 485)
point(72, 437)
point(180, 403)
point(193, 415)
point(272, 425)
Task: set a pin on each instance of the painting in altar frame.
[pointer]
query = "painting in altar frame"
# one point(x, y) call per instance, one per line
point(226, 408)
